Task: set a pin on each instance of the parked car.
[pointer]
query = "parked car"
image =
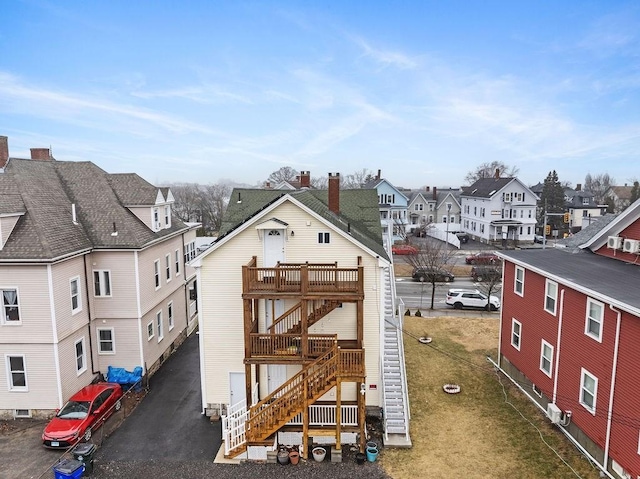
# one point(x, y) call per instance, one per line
point(486, 273)
point(471, 298)
point(427, 275)
point(484, 257)
point(538, 239)
point(403, 249)
point(86, 409)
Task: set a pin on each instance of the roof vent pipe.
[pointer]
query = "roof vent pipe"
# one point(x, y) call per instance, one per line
point(74, 218)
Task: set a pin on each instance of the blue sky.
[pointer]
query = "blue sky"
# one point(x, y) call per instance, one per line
point(205, 91)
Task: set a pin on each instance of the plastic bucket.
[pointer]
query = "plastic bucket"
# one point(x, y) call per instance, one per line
point(360, 458)
point(372, 445)
point(372, 454)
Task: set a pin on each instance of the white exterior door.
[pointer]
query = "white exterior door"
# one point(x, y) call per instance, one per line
point(277, 376)
point(273, 247)
point(237, 389)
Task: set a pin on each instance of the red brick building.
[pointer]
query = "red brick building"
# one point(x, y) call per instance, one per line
point(570, 337)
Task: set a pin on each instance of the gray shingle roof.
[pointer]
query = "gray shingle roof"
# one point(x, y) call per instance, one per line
point(359, 214)
point(608, 277)
point(49, 188)
point(486, 187)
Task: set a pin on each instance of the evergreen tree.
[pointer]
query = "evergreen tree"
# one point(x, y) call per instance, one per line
point(552, 198)
point(635, 192)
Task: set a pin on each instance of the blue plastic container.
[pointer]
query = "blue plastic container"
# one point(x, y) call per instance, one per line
point(372, 454)
point(68, 469)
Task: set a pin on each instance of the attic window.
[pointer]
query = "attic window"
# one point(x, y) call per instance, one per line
point(324, 238)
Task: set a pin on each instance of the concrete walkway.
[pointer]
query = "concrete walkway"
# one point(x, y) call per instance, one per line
point(167, 424)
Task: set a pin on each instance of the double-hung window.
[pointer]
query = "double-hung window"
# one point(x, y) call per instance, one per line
point(150, 330)
point(550, 297)
point(81, 360)
point(16, 372)
point(177, 260)
point(546, 357)
point(76, 299)
point(156, 272)
point(106, 341)
point(102, 282)
point(170, 315)
point(594, 320)
point(518, 287)
point(588, 391)
point(159, 326)
point(167, 266)
point(516, 333)
point(10, 306)
point(167, 216)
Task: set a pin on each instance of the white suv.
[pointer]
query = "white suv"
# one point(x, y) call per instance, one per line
point(471, 298)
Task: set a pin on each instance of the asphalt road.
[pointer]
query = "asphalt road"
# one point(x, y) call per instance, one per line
point(167, 424)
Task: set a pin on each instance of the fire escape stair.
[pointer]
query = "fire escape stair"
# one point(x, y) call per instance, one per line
point(290, 322)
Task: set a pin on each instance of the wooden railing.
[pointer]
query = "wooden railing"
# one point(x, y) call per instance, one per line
point(290, 321)
point(302, 279)
point(278, 345)
point(283, 404)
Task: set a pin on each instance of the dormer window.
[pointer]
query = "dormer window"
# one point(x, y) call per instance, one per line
point(167, 216)
point(156, 219)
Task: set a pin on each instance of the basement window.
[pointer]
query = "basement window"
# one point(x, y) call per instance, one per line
point(22, 413)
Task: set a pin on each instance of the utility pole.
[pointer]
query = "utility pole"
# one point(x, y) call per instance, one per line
point(544, 228)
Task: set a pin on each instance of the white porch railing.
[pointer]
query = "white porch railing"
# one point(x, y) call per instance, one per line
point(233, 426)
point(320, 415)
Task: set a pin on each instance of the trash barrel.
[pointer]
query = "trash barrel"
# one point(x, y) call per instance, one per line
point(84, 453)
point(68, 469)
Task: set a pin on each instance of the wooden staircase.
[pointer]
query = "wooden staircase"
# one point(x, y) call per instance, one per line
point(274, 411)
point(290, 322)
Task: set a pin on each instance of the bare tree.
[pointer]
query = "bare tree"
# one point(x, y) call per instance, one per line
point(598, 185)
point(214, 202)
point(490, 280)
point(488, 170)
point(286, 173)
point(432, 258)
point(357, 179)
point(320, 182)
point(187, 201)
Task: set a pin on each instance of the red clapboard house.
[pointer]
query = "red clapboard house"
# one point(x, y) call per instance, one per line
point(570, 337)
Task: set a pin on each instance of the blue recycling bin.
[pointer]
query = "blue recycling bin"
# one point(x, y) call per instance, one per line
point(68, 469)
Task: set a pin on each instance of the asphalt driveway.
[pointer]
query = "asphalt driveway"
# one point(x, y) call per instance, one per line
point(167, 424)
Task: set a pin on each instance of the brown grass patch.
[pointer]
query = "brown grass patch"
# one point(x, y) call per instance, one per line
point(474, 434)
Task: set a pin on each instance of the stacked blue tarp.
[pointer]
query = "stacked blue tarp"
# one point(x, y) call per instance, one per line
point(125, 378)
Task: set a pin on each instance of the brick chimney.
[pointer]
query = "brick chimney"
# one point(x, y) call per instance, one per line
point(427, 189)
point(435, 193)
point(334, 192)
point(267, 185)
point(379, 175)
point(305, 179)
point(40, 154)
point(497, 173)
point(4, 151)
point(579, 187)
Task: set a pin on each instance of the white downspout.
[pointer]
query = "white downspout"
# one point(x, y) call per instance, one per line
point(613, 387)
point(200, 333)
point(54, 330)
point(557, 361)
point(139, 308)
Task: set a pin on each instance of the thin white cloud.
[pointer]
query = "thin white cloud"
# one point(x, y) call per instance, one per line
point(199, 94)
point(37, 101)
point(386, 57)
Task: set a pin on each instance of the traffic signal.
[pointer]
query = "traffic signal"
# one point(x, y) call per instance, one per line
point(547, 230)
point(567, 216)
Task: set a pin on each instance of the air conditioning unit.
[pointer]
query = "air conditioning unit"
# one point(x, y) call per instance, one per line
point(554, 413)
point(631, 246)
point(614, 242)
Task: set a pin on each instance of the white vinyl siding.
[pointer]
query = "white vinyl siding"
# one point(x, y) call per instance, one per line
point(518, 287)
point(16, 372)
point(516, 333)
point(546, 358)
point(76, 299)
point(588, 391)
point(106, 341)
point(102, 282)
point(551, 297)
point(81, 357)
point(594, 319)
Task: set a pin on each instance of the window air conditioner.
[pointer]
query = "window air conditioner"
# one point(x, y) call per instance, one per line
point(554, 413)
point(614, 242)
point(631, 246)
